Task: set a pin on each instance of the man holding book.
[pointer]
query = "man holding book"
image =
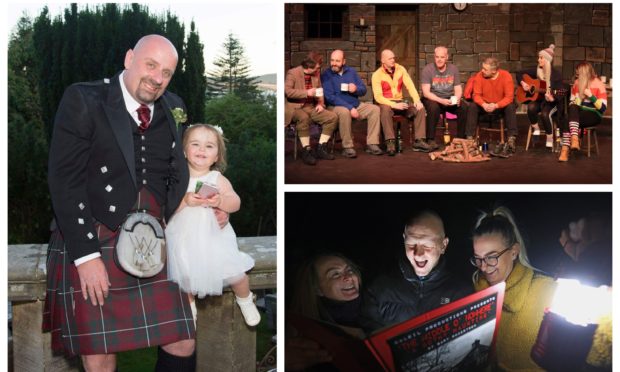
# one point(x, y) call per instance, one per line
point(420, 282)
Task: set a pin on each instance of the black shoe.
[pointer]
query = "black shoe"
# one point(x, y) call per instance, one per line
point(506, 152)
point(422, 146)
point(432, 145)
point(322, 153)
point(307, 157)
point(498, 150)
point(373, 150)
point(512, 144)
point(390, 147)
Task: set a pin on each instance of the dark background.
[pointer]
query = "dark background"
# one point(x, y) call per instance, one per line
point(368, 227)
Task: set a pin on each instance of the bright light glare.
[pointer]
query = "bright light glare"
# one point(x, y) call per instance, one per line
point(581, 304)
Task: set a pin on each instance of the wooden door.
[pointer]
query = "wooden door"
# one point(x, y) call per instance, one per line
point(396, 30)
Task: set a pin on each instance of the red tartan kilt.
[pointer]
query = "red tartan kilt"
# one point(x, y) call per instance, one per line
point(138, 313)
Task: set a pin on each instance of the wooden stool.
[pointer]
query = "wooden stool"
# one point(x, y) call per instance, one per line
point(501, 128)
point(588, 132)
point(542, 132)
point(290, 134)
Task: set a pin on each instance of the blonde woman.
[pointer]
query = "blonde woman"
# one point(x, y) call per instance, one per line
point(588, 102)
point(549, 103)
point(500, 256)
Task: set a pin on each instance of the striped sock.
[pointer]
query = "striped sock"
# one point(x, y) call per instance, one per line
point(566, 139)
point(573, 126)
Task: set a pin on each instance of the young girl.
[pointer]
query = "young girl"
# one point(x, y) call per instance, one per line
point(202, 257)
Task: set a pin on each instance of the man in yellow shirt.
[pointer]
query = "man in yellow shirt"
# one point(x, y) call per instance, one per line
point(387, 89)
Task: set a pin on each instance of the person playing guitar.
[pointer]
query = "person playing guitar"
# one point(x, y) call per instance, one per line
point(549, 101)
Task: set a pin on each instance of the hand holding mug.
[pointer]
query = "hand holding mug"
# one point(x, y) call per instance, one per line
point(401, 106)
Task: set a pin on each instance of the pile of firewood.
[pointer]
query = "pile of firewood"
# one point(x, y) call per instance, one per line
point(460, 151)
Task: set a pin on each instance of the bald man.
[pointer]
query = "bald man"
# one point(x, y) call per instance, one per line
point(420, 280)
point(387, 89)
point(343, 87)
point(116, 149)
point(441, 82)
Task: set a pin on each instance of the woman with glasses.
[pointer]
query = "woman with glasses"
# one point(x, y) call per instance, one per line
point(500, 255)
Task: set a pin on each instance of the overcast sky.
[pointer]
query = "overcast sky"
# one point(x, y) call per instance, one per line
point(258, 25)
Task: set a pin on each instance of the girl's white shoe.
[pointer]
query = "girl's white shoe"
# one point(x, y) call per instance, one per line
point(549, 142)
point(249, 310)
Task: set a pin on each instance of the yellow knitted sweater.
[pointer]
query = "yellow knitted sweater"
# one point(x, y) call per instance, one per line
point(527, 294)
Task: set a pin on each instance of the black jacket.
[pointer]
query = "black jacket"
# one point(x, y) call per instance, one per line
point(400, 294)
point(92, 148)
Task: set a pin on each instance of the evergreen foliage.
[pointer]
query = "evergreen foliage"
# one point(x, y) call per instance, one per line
point(232, 75)
point(251, 131)
point(29, 206)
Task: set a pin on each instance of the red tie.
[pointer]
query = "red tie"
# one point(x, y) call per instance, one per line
point(144, 115)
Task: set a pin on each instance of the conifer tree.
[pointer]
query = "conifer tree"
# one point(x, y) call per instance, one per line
point(232, 75)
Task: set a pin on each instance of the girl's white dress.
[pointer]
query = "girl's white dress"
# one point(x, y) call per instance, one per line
point(202, 257)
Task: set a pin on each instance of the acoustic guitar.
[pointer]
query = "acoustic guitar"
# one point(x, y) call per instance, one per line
point(537, 87)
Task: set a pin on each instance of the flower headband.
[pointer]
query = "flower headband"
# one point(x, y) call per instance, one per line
point(216, 127)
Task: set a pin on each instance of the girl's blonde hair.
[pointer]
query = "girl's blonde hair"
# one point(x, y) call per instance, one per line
point(585, 74)
point(221, 163)
point(544, 73)
point(501, 221)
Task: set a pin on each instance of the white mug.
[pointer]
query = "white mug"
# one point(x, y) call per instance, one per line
point(604, 79)
point(453, 100)
point(319, 92)
point(344, 87)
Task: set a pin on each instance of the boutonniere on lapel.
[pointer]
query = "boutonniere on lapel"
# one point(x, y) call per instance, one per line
point(179, 116)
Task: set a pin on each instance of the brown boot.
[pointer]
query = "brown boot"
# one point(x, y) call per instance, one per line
point(564, 153)
point(391, 147)
point(574, 142)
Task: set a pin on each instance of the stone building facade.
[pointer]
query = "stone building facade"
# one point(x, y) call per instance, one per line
point(514, 33)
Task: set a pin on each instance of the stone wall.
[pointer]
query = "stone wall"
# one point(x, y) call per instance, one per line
point(587, 36)
point(513, 33)
point(358, 44)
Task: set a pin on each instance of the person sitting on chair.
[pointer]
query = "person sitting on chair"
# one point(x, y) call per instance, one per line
point(387, 89)
point(588, 101)
point(494, 94)
point(342, 87)
point(305, 104)
point(551, 101)
point(440, 82)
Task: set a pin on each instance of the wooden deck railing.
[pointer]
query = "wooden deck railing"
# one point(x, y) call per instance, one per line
point(224, 342)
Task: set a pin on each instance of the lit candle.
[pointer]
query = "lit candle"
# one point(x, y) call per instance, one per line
point(362, 21)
